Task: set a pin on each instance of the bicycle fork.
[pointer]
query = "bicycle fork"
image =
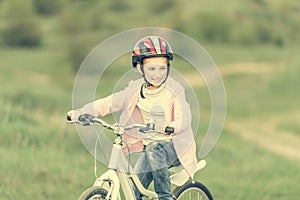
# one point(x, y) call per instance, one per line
point(109, 181)
point(116, 175)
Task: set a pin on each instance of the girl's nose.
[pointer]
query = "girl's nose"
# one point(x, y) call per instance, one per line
point(157, 73)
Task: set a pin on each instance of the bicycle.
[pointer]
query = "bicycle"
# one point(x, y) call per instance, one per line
point(108, 185)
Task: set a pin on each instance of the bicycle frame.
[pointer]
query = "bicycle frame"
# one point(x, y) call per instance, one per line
point(118, 175)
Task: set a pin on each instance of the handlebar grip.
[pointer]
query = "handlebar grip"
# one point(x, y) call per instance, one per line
point(68, 118)
point(169, 130)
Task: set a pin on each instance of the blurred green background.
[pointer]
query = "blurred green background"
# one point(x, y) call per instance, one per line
point(255, 44)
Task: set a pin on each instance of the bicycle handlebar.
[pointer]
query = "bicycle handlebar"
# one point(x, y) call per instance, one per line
point(87, 120)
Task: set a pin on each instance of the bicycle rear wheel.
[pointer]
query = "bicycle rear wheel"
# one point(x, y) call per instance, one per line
point(192, 191)
point(93, 193)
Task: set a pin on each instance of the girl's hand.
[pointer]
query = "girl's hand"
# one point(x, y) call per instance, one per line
point(73, 115)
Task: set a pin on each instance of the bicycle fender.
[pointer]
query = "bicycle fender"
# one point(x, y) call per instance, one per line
point(181, 177)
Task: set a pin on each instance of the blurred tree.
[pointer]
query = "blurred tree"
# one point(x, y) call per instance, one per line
point(214, 28)
point(47, 7)
point(78, 48)
point(158, 7)
point(21, 26)
point(209, 27)
point(77, 30)
point(118, 5)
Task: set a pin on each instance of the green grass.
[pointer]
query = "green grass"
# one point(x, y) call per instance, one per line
point(238, 169)
point(41, 156)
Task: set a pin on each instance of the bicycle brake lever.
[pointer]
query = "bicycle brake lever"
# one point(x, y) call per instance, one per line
point(149, 127)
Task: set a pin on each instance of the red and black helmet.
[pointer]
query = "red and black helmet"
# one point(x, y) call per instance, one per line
point(151, 46)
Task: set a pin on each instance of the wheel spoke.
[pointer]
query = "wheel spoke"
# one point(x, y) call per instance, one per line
point(193, 194)
point(192, 191)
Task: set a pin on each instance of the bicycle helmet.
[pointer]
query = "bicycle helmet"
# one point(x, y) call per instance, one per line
point(150, 46)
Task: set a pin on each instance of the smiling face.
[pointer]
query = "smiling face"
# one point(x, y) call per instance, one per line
point(155, 71)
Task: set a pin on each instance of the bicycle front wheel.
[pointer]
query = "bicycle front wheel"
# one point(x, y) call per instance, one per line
point(192, 191)
point(93, 193)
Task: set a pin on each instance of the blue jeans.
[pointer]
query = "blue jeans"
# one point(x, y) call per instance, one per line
point(153, 165)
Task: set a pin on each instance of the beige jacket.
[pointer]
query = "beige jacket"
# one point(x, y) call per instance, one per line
point(178, 116)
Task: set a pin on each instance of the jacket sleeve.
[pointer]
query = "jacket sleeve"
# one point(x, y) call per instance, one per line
point(109, 104)
point(181, 112)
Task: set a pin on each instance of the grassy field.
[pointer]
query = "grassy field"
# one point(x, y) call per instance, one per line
point(42, 157)
point(256, 157)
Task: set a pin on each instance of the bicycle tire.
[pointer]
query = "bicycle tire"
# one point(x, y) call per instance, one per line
point(192, 190)
point(93, 193)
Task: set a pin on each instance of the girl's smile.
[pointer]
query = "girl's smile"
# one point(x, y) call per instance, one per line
point(155, 70)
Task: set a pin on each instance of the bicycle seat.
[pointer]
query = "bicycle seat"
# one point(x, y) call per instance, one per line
point(178, 175)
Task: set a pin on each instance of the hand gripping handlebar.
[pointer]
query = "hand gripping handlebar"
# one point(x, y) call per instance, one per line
point(87, 120)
